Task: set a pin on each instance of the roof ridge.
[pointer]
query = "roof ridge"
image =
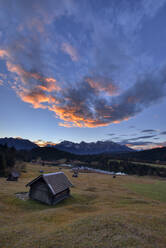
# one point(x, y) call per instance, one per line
point(53, 173)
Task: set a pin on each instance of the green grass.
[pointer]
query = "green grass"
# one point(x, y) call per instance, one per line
point(154, 191)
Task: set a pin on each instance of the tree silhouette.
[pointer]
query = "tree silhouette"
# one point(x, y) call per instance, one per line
point(2, 165)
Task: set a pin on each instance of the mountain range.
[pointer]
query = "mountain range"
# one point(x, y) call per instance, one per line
point(92, 148)
point(82, 148)
point(75, 149)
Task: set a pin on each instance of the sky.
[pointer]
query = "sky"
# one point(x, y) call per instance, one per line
point(83, 70)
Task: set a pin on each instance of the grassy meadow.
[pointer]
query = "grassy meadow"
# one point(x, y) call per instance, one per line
point(103, 212)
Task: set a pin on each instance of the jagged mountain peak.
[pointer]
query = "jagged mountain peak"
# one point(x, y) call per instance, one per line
point(97, 147)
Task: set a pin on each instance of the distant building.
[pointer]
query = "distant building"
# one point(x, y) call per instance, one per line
point(13, 176)
point(50, 188)
point(75, 171)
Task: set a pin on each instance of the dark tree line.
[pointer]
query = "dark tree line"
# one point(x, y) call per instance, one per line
point(7, 159)
point(152, 155)
point(137, 169)
point(49, 154)
point(129, 168)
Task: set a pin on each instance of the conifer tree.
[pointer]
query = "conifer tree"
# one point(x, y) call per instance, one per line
point(2, 165)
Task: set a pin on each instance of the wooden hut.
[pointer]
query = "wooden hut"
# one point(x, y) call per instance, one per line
point(13, 176)
point(75, 171)
point(50, 188)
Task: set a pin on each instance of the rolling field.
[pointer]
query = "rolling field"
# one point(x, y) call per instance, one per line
point(125, 212)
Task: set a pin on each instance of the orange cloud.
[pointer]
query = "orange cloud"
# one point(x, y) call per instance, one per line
point(35, 99)
point(36, 95)
point(73, 119)
point(68, 115)
point(69, 106)
point(50, 85)
point(66, 124)
point(85, 123)
point(124, 119)
point(46, 83)
point(69, 109)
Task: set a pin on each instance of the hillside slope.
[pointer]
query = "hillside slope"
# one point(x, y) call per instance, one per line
point(157, 154)
point(18, 144)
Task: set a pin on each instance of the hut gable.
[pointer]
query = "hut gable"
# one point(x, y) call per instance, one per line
point(50, 188)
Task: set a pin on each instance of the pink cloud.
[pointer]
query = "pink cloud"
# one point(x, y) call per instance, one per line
point(102, 84)
point(3, 53)
point(71, 51)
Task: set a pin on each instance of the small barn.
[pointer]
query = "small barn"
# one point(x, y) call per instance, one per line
point(50, 188)
point(13, 176)
point(75, 172)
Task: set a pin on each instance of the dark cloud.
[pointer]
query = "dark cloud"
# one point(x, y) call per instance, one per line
point(92, 109)
point(148, 131)
point(132, 126)
point(163, 133)
point(144, 93)
point(140, 143)
point(139, 138)
point(120, 136)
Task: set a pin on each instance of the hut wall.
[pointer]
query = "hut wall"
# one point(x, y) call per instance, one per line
point(39, 191)
point(61, 196)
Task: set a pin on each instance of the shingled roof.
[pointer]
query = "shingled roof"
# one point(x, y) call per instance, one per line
point(57, 182)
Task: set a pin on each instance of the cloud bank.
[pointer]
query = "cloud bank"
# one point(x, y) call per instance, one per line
point(81, 60)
